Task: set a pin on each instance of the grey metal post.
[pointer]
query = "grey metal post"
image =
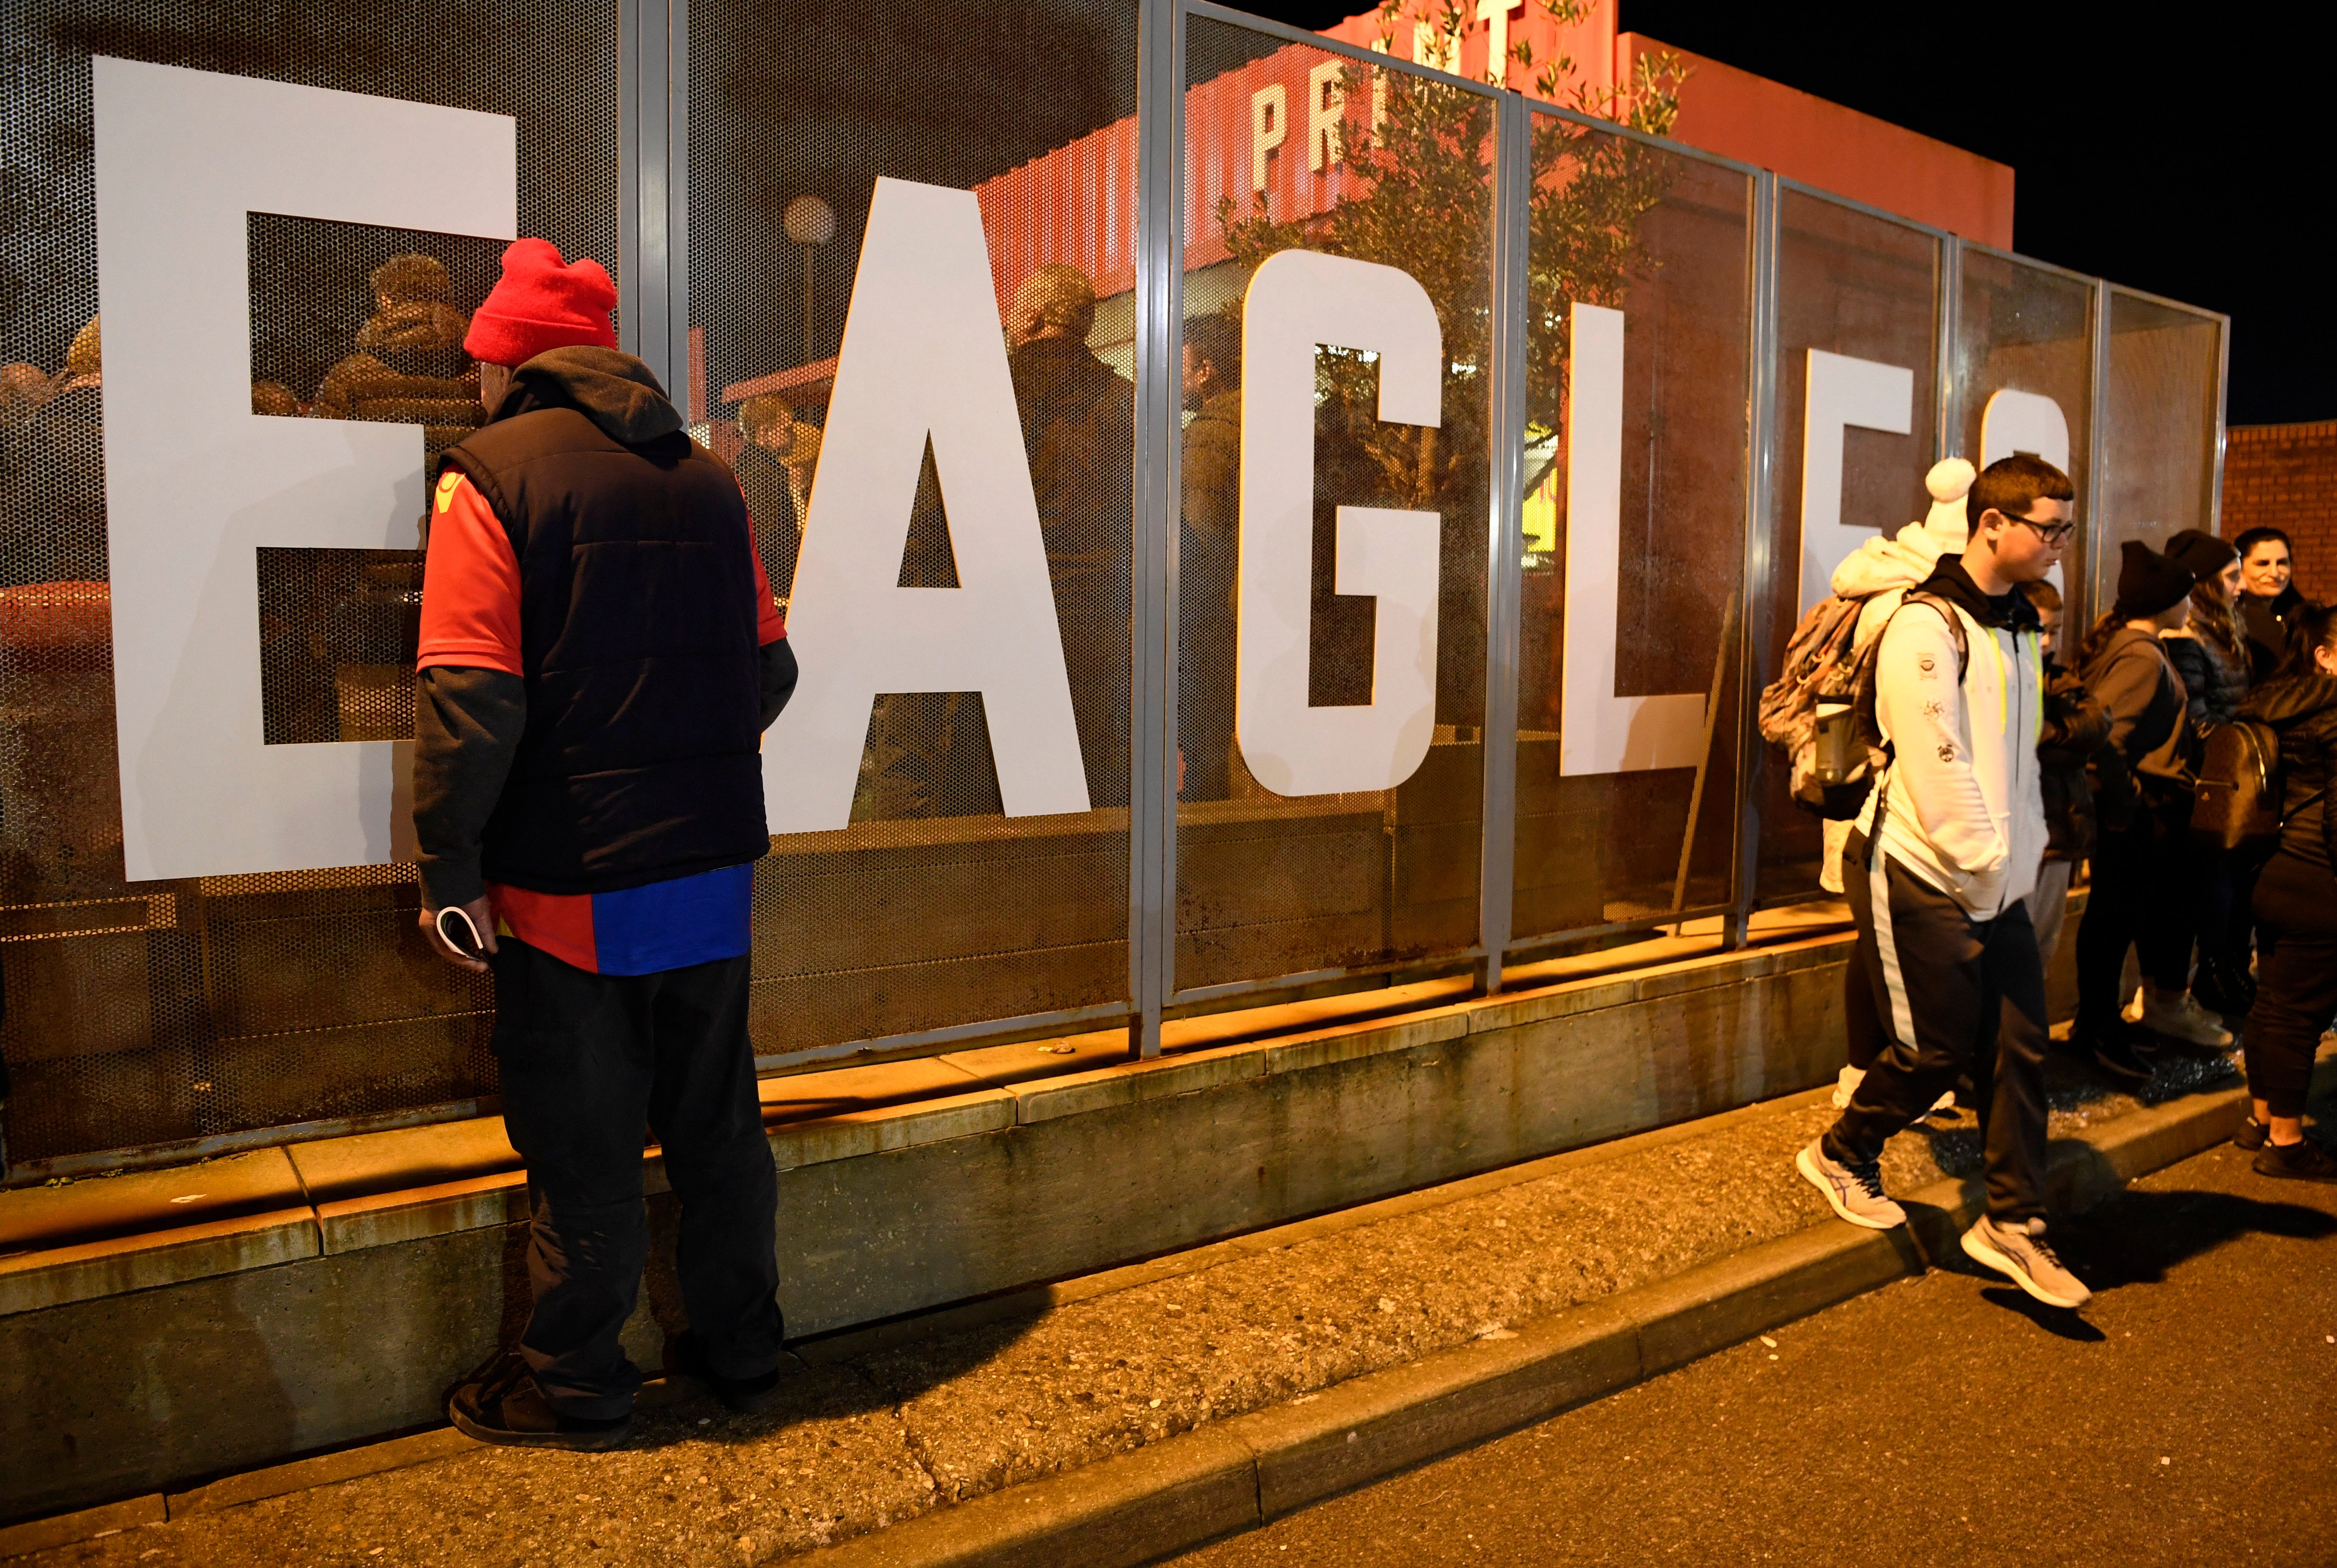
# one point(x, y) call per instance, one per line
point(2222, 391)
point(1947, 438)
point(1505, 543)
point(676, 371)
point(629, 176)
point(2095, 589)
point(1760, 556)
point(1160, 323)
point(653, 186)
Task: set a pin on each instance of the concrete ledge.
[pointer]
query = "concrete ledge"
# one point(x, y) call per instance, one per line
point(67, 1529)
point(1358, 1431)
point(1708, 1308)
point(387, 1219)
point(821, 1139)
point(278, 1480)
point(1129, 1083)
point(1117, 1513)
point(32, 1280)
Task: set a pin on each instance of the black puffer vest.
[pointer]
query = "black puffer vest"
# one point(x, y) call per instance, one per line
point(639, 761)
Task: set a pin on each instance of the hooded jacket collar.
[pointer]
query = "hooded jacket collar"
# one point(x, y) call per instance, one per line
point(615, 391)
point(1879, 565)
point(2011, 612)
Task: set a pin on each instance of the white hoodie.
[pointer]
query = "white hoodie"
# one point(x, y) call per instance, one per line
point(1963, 809)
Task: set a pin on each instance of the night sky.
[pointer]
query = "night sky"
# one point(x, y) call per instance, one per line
point(2182, 153)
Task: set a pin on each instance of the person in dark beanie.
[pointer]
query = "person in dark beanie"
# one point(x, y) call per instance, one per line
point(2143, 786)
point(1939, 869)
point(2211, 655)
point(2296, 906)
point(600, 655)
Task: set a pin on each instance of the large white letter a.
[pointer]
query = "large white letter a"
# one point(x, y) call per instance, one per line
point(924, 356)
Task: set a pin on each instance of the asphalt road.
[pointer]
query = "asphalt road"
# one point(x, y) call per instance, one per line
point(2188, 1417)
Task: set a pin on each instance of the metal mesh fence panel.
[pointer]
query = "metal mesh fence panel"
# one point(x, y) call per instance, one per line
point(932, 910)
point(1849, 285)
point(1639, 339)
point(1293, 147)
point(2158, 429)
point(2023, 333)
point(166, 1011)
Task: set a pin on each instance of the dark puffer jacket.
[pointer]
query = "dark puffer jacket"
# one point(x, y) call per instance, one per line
point(2215, 679)
point(2303, 709)
point(2076, 727)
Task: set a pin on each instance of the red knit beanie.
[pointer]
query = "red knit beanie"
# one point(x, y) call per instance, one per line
point(542, 303)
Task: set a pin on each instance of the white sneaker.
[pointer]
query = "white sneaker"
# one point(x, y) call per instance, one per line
point(1845, 1083)
point(2021, 1254)
point(2183, 1019)
point(1854, 1191)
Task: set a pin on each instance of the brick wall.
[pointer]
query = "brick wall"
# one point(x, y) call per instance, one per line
point(2284, 476)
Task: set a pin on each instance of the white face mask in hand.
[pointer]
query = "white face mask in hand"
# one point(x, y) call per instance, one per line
point(460, 932)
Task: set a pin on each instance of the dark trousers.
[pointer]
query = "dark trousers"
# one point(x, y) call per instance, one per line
point(2141, 898)
point(1860, 1020)
point(2296, 979)
point(1956, 996)
point(587, 1062)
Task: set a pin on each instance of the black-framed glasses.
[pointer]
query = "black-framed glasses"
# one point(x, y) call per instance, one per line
point(2050, 532)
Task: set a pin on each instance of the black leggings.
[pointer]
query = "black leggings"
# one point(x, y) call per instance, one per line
point(2139, 899)
point(2296, 979)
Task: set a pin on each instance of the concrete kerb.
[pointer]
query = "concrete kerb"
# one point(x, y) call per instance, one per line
point(1176, 1495)
point(1241, 1472)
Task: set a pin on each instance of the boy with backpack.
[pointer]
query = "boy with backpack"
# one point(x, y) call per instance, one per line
point(1940, 867)
point(1823, 662)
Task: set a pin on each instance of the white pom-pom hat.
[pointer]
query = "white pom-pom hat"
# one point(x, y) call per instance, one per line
point(1949, 482)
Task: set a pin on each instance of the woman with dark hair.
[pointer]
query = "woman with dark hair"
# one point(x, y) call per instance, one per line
point(2211, 655)
point(2296, 905)
point(2269, 604)
point(2143, 785)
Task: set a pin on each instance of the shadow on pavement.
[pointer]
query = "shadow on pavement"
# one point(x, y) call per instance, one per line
point(2059, 1321)
point(875, 1384)
point(2136, 1238)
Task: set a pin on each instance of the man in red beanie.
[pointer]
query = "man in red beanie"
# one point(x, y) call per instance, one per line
point(600, 655)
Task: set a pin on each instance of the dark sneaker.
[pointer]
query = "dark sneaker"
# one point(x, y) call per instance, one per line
point(746, 1395)
point(2222, 989)
point(2304, 1162)
point(506, 1407)
point(2253, 1136)
point(2021, 1254)
point(1854, 1191)
point(2112, 1052)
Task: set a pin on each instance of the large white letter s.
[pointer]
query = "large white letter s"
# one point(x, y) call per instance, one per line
point(1297, 300)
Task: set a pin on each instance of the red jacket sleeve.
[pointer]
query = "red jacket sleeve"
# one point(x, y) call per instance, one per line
point(770, 626)
point(470, 584)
